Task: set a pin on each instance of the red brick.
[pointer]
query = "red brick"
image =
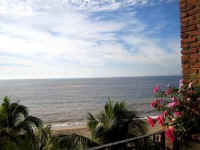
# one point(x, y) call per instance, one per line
point(189, 11)
point(188, 19)
point(189, 23)
point(193, 11)
point(184, 14)
point(183, 6)
point(187, 71)
point(193, 45)
point(186, 77)
point(186, 66)
point(194, 33)
point(193, 50)
point(184, 46)
point(193, 61)
point(193, 71)
point(195, 57)
point(190, 2)
point(198, 26)
point(185, 20)
point(189, 28)
point(197, 16)
point(184, 35)
point(191, 39)
point(185, 59)
point(198, 37)
point(186, 7)
point(190, 51)
point(196, 66)
point(182, 2)
point(186, 80)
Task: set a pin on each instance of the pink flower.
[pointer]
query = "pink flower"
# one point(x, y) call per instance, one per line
point(160, 120)
point(188, 99)
point(190, 85)
point(154, 103)
point(156, 89)
point(168, 91)
point(177, 114)
point(172, 98)
point(170, 133)
point(181, 84)
point(160, 106)
point(173, 104)
point(165, 113)
point(150, 121)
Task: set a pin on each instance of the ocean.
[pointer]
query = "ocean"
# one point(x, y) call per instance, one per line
point(70, 100)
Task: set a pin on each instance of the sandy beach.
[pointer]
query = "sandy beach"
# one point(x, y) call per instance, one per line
point(82, 129)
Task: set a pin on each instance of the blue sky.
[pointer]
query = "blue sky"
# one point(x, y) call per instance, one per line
point(89, 38)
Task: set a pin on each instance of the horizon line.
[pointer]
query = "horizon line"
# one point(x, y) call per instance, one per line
point(60, 78)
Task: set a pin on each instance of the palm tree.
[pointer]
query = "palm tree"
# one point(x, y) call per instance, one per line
point(19, 131)
point(45, 139)
point(115, 123)
point(16, 123)
point(74, 142)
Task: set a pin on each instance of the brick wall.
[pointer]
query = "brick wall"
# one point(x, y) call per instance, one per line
point(190, 39)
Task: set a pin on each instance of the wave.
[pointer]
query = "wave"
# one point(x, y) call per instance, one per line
point(68, 125)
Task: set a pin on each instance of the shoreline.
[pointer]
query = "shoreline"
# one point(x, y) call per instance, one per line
point(57, 125)
point(80, 129)
point(79, 123)
point(60, 128)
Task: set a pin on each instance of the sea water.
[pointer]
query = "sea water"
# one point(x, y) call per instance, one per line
point(70, 100)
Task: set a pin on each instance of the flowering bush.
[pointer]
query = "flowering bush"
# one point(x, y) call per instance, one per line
point(180, 110)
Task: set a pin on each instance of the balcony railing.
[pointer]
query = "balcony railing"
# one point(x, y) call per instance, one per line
point(155, 141)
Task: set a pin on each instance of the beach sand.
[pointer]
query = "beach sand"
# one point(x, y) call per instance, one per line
point(80, 130)
point(84, 131)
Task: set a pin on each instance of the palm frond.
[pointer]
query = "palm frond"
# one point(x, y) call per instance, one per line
point(6, 101)
point(92, 121)
point(82, 140)
point(36, 121)
point(108, 108)
point(4, 134)
point(25, 127)
point(5, 105)
point(18, 118)
point(113, 123)
point(16, 109)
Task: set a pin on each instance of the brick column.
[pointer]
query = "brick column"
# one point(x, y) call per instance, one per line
point(190, 40)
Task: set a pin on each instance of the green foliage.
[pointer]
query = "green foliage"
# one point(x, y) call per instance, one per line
point(115, 123)
point(15, 123)
point(147, 144)
point(20, 131)
point(74, 142)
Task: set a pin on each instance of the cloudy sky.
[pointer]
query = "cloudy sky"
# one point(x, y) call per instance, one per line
point(89, 38)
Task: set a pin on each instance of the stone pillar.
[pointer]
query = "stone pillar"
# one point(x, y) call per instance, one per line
point(190, 40)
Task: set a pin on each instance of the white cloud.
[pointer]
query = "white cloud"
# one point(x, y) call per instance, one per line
point(49, 38)
point(28, 7)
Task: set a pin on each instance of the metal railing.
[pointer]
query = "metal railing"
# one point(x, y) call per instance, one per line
point(155, 141)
